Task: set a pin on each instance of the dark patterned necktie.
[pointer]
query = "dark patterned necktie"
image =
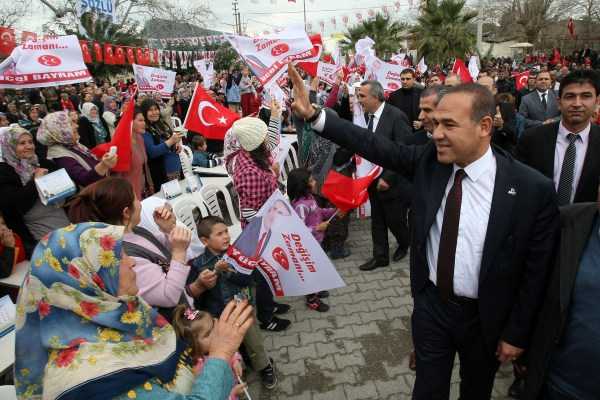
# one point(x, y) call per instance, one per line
point(567, 172)
point(370, 124)
point(544, 102)
point(448, 238)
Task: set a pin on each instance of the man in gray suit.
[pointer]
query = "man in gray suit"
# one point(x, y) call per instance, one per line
point(540, 106)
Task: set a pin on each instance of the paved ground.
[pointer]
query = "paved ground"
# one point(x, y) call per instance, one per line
point(357, 350)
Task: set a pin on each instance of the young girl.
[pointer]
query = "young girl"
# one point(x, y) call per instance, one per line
point(195, 327)
point(301, 187)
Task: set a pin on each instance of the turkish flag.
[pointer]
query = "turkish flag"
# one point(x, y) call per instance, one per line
point(461, 70)
point(108, 54)
point(7, 41)
point(122, 139)
point(155, 60)
point(85, 50)
point(25, 36)
point(555, 57)
point(97, 52)
point(346, 192)
point(146, 56)
point(208, 117)
point(119, 58)
point(521, 80)
point(139, 55)
point(311, 64)
point(130, 55)
point(571, 27)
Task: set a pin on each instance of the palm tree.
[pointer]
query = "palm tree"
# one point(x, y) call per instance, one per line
point(386, 34)
point(444, 31)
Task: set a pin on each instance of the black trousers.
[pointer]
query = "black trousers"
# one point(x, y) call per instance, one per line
point(440, 330)
point(265, 303)
point(387, 214)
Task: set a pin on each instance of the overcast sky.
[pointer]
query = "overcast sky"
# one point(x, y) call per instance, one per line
point(265, 15)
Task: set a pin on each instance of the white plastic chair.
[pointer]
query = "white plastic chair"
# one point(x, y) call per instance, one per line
point(176, 122)
point(188, 210)
point(294, 156)
point(209, 195)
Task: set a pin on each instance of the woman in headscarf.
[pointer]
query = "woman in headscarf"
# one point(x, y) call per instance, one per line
point(83, 333)
point(162, 145)
point(161, 258)
point(20, 204)
point(139, 171)
point(93, 130)
point(111, 113)
point(58, 133)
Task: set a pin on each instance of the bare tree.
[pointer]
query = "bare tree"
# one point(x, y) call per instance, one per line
point(131, 12)
point(11, 12)
point(589, 11)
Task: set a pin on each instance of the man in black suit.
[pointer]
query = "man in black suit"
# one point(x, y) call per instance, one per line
point(476, 289)
point(390, 193)
point(568, 152)
point(430, 97)
point(407, 97)
point(565, 353)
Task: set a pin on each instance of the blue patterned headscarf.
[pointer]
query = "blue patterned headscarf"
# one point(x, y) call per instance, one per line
point(75, 337)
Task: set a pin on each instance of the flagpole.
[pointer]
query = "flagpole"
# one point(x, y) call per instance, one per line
point(304, 4)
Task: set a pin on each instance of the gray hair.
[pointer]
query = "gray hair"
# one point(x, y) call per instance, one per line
point(438, 91)
point(375, 89)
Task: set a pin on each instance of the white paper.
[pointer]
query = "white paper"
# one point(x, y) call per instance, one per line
point(8, 313)
point(171, 189)
point(55, 186)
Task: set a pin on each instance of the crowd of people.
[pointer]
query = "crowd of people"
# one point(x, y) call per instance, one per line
point(478, 183)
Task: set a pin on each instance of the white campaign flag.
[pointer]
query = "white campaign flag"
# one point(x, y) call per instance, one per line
point(328, 72)
point(101, 9)
point(268, 55)
point(50, 61)
point(387, 74)
point(150, 79)
point(422, 67)
point(474, 68)
point(207, 70)
point(283, 249)
point(364, 51)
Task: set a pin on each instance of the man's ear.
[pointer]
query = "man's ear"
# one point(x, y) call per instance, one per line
point(203, 240)
point(486, 125)
point(126, 214)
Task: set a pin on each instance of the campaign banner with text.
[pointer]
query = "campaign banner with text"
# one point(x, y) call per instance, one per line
point(150, 79)
point(386, 73)
point(50, 61)
point(278, 244)
point(268, 55)
point(328, 72)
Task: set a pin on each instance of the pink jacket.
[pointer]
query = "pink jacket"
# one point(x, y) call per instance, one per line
point(158, 288)
point(312, 215)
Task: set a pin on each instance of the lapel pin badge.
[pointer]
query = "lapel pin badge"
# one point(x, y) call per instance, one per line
point(512, 192)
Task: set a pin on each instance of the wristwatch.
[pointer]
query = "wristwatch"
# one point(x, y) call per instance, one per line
point(315, 115)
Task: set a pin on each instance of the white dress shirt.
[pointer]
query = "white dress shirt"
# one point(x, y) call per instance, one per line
point(541, 94)
point(477, 193)
point(376, 117)
point(581, 145)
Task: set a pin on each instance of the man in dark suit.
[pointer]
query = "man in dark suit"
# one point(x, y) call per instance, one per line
point(565, 353)
point(568, 151)
point(477, 289)
point(390, 193)
point(430, 97)
point(407, 97)
point(540, 106)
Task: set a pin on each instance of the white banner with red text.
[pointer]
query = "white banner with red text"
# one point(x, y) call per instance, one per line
point(151, 79)
point(50, 61)
point(283, 249)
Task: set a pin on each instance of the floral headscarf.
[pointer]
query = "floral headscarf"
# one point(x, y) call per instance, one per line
point(8, 142)
point(108, 104)
point(56, 128)
point(75, 337)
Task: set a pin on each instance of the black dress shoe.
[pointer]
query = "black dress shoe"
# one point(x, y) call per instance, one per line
point(372, 264)
point(399, 254)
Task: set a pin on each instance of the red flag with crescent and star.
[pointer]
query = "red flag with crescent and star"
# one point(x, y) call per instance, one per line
point(461, 70)
point(207, 117)
point(7, 41)
point(521, 80)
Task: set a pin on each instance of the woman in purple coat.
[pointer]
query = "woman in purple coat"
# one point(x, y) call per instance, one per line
point(57, 131)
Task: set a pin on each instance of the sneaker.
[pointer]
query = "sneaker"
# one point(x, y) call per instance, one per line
point(276, 325)
point(268, 375)
point(323, 294)
point(338, 253)
point(315, 303)
point(281, 308)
